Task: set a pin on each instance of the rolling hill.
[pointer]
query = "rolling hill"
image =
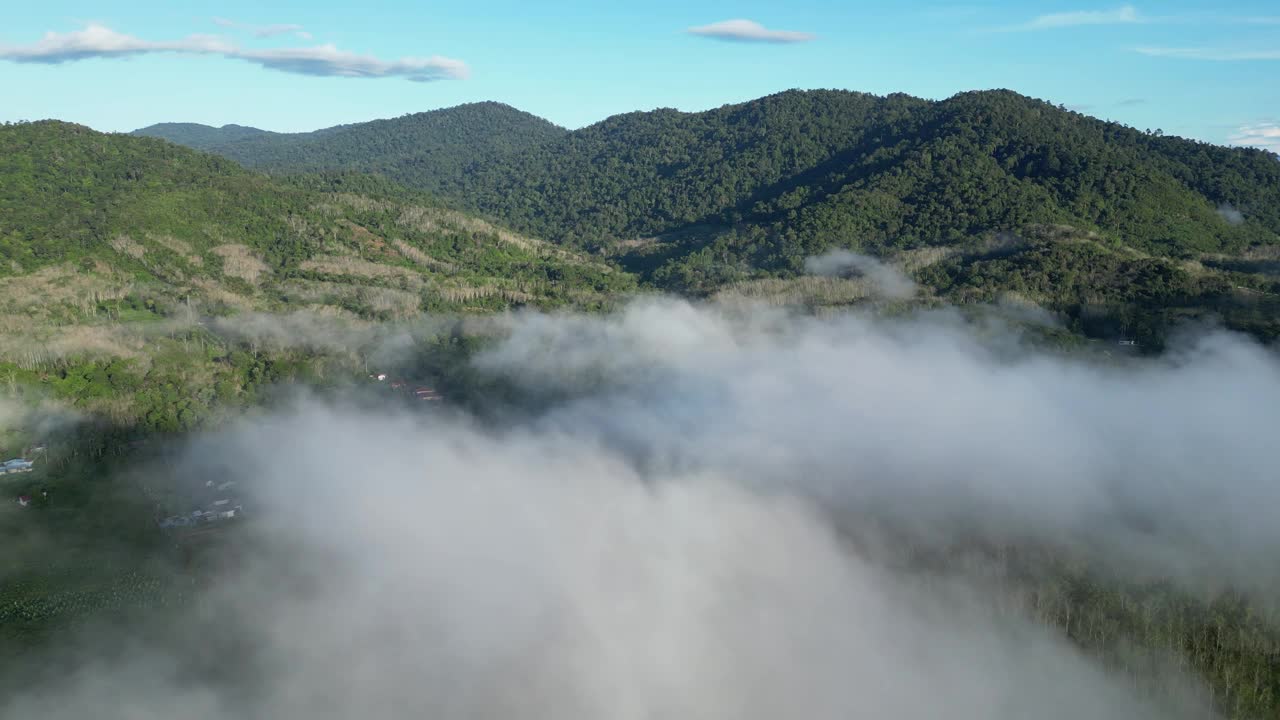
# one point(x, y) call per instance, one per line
point(201, 137)
point(185, 223)
point(420, 150)
point(979, 195)
point(133, 271)
point(811, 169)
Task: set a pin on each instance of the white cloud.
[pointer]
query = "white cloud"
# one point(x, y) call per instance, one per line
point(1230, 214)
point(717, 522)
point(1208, 53)
point(328, 60)
point(1124, 15)
point(889, 281)
point(1264, 135)
point(749, 31)
point(98, 41)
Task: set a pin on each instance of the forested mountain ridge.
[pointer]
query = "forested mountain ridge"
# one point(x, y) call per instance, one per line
point(200, 137)
point(796, 173)
point(163, 212)
point(645, 173)
point(982, 195)
point(812, 169)
point(419, 150)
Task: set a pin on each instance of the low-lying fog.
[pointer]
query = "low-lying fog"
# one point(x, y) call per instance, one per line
point(710, 524)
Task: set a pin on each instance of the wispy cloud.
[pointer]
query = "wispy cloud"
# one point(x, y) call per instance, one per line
point(98, 41)
point(1210, 53)
point(749, 31)
point(328, 60)
point(1130, 102)
point(888, 280)
point(1230, 214)
point(1124, 15)
point(1264, 135)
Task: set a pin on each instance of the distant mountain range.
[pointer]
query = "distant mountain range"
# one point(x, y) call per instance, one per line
point(419, 150)
point(830, 154)
point(201, 137)
point(1006, 193)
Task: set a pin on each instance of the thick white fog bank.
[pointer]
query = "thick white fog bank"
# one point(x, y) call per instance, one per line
point(683, 536)
point(1165, 466)
point(432, 569)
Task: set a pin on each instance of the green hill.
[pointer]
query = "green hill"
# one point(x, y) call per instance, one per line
point(980, 196)
point(77, 202)
point(118, 254)
point(793, 174)
point(200, 137)
point(805, 170)
point(420, 150)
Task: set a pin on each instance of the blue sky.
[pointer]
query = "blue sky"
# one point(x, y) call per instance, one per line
point(1191, 68)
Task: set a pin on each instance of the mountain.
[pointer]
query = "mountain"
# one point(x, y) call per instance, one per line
point(200, 137)
point(798, 172)
point(151, 285)
point(821, 168)
point(977, 196)
point(87, 209)
point(419, 150)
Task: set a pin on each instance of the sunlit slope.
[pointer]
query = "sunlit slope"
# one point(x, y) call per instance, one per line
point(86, 215)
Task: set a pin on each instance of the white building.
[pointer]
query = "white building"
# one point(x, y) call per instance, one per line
point(16, 465)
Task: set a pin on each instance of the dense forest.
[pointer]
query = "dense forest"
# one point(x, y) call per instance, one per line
point(195, 224)
point(422, 150)
point(1089, 218)
point(816, 168)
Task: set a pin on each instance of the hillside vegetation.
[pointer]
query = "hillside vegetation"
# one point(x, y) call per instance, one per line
point(423, 150)
point(88, 208)
point(977, 196)
point(823, 166)
point(118, 254)
point(200, 137)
